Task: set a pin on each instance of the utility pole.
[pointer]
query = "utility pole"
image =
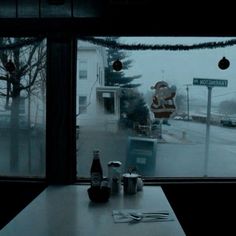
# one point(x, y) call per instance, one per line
point(187, 89)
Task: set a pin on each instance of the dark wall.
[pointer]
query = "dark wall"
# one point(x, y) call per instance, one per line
point(204, 209)
point(15, 196)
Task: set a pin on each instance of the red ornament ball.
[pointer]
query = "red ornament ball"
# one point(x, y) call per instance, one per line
point(223, 63)
point(117, 65)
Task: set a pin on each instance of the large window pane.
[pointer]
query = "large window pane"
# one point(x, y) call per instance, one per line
point(22, 107)
point(150, 114)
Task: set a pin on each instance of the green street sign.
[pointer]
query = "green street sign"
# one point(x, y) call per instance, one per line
point(210, 82)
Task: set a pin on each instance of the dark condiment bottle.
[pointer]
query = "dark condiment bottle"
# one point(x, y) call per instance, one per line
point(96, 171)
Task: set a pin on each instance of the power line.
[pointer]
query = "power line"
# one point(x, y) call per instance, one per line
point(187, 90)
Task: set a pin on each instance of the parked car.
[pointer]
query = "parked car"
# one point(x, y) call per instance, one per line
point(178, 118)
point(229, 122)
point(188, 118)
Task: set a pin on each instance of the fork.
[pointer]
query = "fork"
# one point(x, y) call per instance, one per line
point(137, 217)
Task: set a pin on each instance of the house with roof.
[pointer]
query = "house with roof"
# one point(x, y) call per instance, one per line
point(98, 106)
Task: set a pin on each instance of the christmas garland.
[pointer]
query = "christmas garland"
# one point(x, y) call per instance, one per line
point(116, 45)
point(21, 43)
point(178, 47)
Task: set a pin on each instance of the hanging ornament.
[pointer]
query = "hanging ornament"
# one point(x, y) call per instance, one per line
point(117, 65)
point(223, 63)
point(10, 66)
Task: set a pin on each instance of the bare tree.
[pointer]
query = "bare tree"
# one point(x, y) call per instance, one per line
point(22, 68)
point(227, 107)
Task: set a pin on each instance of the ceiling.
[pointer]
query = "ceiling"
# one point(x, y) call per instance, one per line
point(119, 17)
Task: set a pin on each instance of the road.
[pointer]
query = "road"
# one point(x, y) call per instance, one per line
point(184, 154)
point(195, 132)
point(180, 155)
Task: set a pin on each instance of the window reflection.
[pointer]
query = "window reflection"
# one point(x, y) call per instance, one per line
point(22, 107)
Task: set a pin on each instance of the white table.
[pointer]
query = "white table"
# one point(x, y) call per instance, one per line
point(67, 211)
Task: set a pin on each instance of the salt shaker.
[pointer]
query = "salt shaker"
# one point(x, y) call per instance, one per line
point(114, 176)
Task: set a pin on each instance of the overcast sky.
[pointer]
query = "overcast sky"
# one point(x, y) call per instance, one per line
point(180, 67)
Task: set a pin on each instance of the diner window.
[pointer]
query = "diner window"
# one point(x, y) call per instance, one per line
point(22, 106)
point(172, 112)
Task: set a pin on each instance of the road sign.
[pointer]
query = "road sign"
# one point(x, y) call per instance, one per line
point(210, 82)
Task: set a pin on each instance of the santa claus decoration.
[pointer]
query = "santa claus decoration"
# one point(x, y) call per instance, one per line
point(163, 104)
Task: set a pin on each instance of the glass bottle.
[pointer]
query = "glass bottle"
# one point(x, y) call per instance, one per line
point(96, 171)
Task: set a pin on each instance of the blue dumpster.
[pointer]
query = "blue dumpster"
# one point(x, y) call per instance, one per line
point(141, 155)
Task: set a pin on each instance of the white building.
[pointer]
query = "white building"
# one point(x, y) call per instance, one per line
point(98, 106)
